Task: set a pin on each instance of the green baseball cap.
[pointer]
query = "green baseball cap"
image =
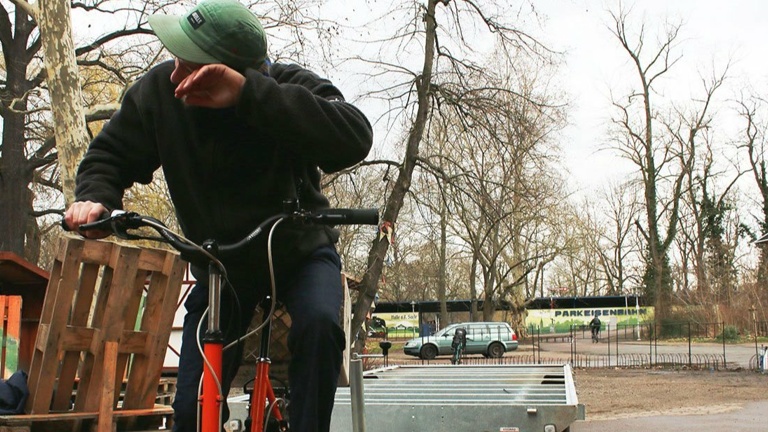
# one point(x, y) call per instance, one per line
point(215, 31)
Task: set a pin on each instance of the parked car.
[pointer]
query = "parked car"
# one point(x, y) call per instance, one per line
point(491, 339)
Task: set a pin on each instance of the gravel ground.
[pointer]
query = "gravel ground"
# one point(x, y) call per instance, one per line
point(664, 400)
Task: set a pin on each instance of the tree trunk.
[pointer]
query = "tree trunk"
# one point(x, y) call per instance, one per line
point(442, 270)
point(64, 87)
point(14, 180)
point(15, 170)
point(472, 291)
point(402, 185)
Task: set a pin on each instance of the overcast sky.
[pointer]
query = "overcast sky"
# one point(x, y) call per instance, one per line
point(713, 32)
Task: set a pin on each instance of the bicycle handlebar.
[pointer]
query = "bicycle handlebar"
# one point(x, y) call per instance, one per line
point(120, 222)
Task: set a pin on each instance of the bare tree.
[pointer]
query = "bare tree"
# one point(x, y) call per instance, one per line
point(662, 162)
point(500, 184)
point(618, 246)
point(753, 143)
point(426, 91)
point(29, 148)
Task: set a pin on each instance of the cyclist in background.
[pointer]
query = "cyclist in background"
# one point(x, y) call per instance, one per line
point(236, 136)
point(458, 344)
point(594, 326)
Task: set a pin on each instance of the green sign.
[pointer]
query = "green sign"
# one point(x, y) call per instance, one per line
point(561, 320)
point(400, 324)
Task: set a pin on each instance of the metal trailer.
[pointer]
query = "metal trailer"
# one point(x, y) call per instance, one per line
point(464, 398)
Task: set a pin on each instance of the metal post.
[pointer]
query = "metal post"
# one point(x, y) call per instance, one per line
point(539, 345)
point(655, 342)
point(725, 362)
point(650, 344)
point(608, 327)
point(754, 321)
point(637, 315)
point(617, 342)
point(356, 394)
point(690, 361)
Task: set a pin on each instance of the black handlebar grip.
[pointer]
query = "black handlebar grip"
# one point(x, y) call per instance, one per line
point(347, 217)
point(104, 222)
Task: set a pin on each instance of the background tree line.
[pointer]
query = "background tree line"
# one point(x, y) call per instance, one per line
point(467, 165)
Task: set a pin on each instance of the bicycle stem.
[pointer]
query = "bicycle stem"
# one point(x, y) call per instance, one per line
point(214, 302)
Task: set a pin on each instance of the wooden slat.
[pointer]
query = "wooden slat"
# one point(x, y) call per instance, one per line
point(152, 260)
point(133, 342)
point(106, 407)
point(42, 376)
point(157, 322)
point(158, 410)
point(97, 252)
point(79, 319)
point(132, 313)
point(78, 339)
point(112, 316)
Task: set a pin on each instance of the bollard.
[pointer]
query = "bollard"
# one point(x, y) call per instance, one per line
point(356, 394)
point(385, 345)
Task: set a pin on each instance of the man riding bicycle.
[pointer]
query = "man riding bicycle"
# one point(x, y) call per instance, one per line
point(458, 344)
point(237, 136)
point(594, 326)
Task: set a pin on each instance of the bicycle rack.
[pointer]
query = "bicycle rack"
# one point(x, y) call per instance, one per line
point(435, 398)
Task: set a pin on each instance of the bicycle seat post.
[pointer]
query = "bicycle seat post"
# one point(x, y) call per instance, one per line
point(213, 347)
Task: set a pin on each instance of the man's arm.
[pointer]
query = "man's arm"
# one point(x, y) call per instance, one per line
point(308, 114)
point(121, 154)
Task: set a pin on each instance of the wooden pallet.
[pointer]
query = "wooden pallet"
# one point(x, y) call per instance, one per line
point(106, 320)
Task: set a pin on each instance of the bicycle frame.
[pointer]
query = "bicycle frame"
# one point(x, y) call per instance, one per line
point(263, 400)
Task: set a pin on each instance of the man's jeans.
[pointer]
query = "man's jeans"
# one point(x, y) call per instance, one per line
point(312, 295)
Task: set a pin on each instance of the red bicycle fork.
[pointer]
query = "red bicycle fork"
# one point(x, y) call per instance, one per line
point(211, 398)
point(213, 349)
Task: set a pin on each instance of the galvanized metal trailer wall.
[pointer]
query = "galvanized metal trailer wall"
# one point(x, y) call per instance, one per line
point(465, 398)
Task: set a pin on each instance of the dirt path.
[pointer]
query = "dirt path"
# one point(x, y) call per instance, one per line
point(637, 399)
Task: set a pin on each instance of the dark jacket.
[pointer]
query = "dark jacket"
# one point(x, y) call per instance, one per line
point(459, 338)
point(595, 323)
point(229, 169)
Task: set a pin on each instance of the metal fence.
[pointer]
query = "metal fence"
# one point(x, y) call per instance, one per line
point(713, 346)
point(675, 344)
